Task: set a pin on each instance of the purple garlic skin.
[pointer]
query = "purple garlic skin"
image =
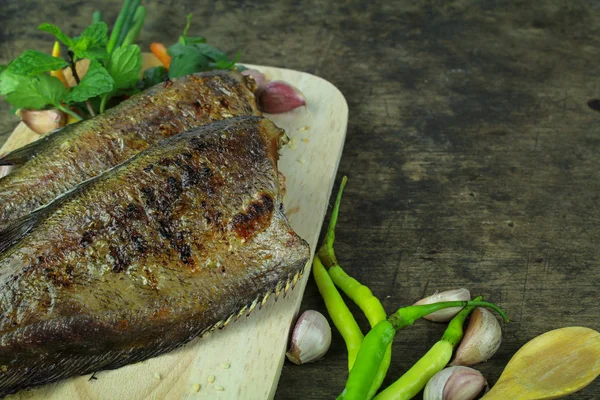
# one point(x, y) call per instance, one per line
point(279, 97)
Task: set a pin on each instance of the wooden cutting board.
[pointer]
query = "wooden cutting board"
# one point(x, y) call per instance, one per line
point(243, 360)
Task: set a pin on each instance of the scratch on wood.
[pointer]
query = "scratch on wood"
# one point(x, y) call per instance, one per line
point(424, 294)
point(396, 272)
point(524, 289)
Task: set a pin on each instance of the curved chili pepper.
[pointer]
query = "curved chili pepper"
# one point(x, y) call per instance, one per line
point(360, 294)
point(338, 311)
point(415, 379)
point(371, 352)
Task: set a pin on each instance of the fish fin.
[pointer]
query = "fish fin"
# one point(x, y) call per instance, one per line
point(19, 228)
point(23, 154)
point(25, 224)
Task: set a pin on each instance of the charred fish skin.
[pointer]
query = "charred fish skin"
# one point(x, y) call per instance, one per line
point(181, 238)
point(58, 162)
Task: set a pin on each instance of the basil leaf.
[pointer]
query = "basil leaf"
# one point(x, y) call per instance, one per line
point(95, 82)
point(125, 66)
point(33, 62)
point(55, 30)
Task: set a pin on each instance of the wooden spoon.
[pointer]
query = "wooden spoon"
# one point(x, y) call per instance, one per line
point(552, 365)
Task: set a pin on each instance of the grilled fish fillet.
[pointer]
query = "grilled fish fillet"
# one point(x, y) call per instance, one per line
point(57, 162)
point(182, 238)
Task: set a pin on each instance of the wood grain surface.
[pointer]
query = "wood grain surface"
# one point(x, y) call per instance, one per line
point(472, 151)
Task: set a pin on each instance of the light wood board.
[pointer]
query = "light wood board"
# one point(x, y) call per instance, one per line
point(246, 357)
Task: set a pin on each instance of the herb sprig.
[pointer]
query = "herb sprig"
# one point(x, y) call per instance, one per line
point(115, 63)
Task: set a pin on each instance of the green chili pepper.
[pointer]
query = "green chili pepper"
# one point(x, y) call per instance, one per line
point(415, 379)
point(357, 292)
point(373, 310)
point(326, 252)
point(338, 311)
point(371, 352)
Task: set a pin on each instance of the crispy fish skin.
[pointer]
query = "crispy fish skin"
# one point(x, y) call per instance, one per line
point(181, 238)
point(61, 160)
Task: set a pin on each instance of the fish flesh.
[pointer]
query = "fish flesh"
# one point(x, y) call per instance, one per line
point(182, 238)
point(57, 162)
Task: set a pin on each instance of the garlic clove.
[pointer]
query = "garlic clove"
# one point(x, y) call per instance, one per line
point(43, 121)
point(455, 383)
point(446, 314)
point(481, 340)
point(278, 97)
point(259, 78)
point(311, 338)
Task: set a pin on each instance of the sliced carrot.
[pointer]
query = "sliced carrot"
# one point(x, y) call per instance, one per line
point(160, 51)
point(59, 72)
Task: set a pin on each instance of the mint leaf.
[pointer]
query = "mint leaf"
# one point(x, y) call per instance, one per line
point(95, 82)
point(9, 82)
point(37, 92)
point(153, 76)
point(33, 62)
point(96, 53)
point(55, 30)
point(92, 42)
point(187, 63)
point(2, 68)
point(125, 66)
point(97, 33)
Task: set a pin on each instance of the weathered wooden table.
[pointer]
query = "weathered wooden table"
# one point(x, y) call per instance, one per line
point(473, 150)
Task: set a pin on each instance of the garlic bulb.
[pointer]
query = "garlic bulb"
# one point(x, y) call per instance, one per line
point(278, 97)
point(43, 121)
point(482, 338)
point(310, 339)
point(446, 314)
point(455, 383)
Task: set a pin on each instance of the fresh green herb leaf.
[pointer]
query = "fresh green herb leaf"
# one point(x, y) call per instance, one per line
point(92, 42)
point(55, 30)
point(95, 82)
point(96, 53)
point(179, 49)
point(211, 52)
point(33, 62)
point(2, 68)
point(9, 82)
point(97, 33)
point(125, 66)
point(195, 39)
point(187, 63)
point(96, 16)
point(188, 23)
point(37, 92)
point(153, 76)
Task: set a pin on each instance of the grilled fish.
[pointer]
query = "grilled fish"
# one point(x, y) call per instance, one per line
point(182, 238)
point(57, 162)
